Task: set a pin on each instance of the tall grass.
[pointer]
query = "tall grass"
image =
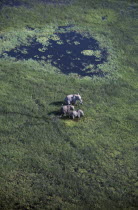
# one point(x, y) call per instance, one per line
point(52, 163)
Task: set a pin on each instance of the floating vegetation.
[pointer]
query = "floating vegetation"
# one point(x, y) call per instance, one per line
point(87, 52)
point(76, 43)
point(96, 53)
point(55, 37)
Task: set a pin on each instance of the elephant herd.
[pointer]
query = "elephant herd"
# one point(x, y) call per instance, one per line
point(68, 109)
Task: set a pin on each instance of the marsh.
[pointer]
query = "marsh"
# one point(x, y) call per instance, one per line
point(69, 51)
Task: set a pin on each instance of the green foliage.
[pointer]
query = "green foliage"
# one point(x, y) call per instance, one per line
point(48, 162)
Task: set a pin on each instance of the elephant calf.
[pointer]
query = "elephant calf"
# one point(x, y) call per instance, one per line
point(73, 114)
point(66, 109)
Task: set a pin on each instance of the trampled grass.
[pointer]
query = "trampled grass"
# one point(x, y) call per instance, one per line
point(48, 162)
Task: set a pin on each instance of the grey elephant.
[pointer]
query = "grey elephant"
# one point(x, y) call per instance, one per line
point(71, 99)
point(65, 109)
point(73, 114)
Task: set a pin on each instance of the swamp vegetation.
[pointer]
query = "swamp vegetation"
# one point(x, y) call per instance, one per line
point(49, 49)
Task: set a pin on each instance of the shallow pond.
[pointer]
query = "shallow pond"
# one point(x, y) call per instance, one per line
point(17, 3)
point(69, 51)
point(13, 3)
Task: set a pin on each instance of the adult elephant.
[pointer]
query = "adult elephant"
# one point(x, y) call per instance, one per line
point(73, 114)
point(71, 99)
point(65, 109)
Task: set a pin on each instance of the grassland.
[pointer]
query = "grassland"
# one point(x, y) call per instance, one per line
point(51, 163)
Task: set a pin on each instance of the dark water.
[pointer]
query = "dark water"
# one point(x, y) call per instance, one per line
point(57, 2)
point(65, 53)
point(104, 18)
point(13, 3)
point(17, 3)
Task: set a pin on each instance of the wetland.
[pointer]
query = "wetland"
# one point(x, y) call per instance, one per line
point(50, 49)
point(69, 51)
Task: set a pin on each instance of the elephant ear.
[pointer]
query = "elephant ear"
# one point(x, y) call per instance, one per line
point(71, 107)
point(82, 113)
point(78, 113)
point(74, 96)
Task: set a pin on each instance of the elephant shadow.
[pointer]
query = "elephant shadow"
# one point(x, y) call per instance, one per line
point(67, 118)
point(56, 113)
point(57, 103)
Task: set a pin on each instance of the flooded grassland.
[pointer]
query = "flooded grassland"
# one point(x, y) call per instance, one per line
point(49, 49)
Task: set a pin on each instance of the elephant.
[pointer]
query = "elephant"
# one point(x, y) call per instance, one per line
point(71, 99)
point(73, 114)
point(65, 109)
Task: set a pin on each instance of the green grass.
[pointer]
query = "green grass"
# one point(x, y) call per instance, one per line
point(51, 163)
